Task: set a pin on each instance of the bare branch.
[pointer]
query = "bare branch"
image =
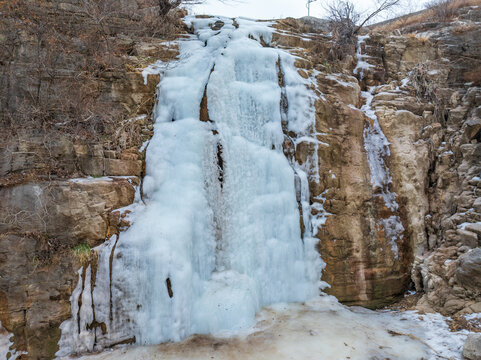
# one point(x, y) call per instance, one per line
point(382, 6)
point(346, 21)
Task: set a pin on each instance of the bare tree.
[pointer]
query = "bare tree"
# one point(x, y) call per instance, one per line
point(382, 6)
point(308, 6)
point(346, 21)
point(165, 6)
point(343, 18)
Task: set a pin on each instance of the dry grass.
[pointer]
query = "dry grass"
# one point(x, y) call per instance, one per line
point(422, 39)
point(463, 28)
point(82, 252)
point(458, 323)
point(473, 76)
point(428, 15)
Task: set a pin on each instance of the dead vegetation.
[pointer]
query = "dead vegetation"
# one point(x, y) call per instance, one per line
point(346, 22)
point(436, 11)
point(54, 63)
point(69, 73)
point(428, 90)
point(459, 322)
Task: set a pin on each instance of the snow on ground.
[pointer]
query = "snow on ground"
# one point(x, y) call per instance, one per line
point(6, 345)
point(320, 329)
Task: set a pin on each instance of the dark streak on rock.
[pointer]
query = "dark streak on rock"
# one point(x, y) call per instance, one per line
point(204, 110)
point(111, 260)
point(168, 283)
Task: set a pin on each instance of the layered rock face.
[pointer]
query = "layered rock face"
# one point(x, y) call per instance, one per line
point(72, 127)
point(362, 264)
point(439, 167)
point(42, 223)
point(432, 124)
point(427, 102)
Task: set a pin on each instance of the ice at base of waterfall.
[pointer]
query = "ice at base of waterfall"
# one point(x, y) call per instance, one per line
point(319, 329)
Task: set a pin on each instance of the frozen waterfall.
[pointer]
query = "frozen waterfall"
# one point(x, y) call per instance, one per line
point(377, 149)
point(219, 235)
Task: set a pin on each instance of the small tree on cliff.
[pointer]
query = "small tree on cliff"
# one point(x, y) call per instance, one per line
point(346, 22)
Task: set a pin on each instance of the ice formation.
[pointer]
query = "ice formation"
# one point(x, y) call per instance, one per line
point(362, 64)
point(219, 235)
point(319, 329)
point(377, 149)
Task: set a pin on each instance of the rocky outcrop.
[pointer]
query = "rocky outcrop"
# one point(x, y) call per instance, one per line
point(46, 231)
point(427, 104)
point(361, 265)
point(71, 211)
point(58, 155)
point(468, 269)
point(74, 123)
point(431, 119)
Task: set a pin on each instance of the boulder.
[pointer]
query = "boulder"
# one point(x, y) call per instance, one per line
point(472, 347)
point(468, 272)
point(73, 211)
point(477, 206)
point(468, 238)
point(315, 24)
point(473, 126)
point(475, 228)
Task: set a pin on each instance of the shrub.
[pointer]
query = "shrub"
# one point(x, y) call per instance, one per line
point(82, 253)
point(442, 10)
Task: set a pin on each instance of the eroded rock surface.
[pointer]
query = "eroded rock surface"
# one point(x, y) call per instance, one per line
point(42, 224)
point(427, 103)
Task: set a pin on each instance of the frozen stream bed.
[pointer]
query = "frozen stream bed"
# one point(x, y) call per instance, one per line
point(320, 329)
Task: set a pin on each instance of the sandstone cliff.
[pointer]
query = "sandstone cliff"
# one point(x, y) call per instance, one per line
point(426, 98)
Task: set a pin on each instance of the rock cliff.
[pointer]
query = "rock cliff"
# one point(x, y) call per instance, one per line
point(426, 99)
point(73, 122)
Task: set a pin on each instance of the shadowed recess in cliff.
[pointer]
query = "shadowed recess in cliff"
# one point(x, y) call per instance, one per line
point(219, 235)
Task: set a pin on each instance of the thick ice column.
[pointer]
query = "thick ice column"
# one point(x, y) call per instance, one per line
point(218, 236)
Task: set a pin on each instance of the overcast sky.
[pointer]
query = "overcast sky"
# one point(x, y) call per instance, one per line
point(274, 9)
